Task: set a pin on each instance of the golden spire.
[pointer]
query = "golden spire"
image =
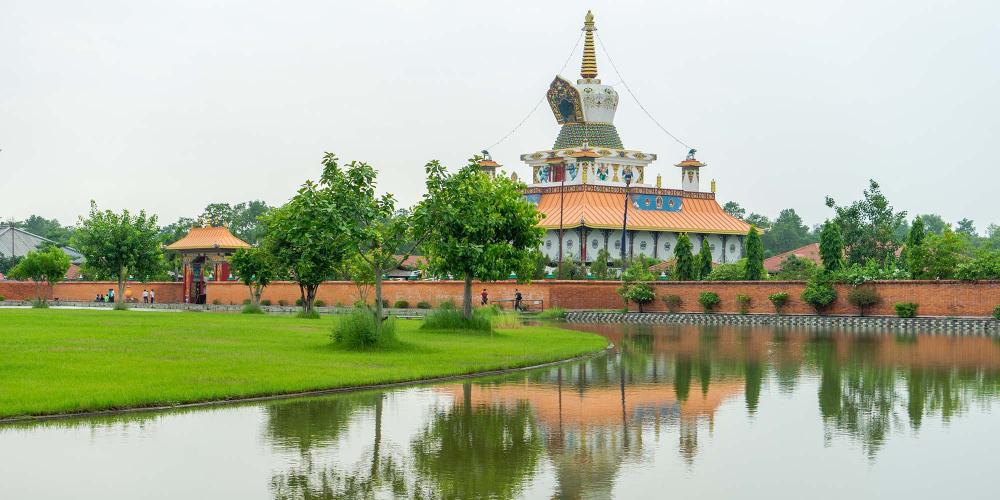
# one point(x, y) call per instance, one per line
point(589, 67)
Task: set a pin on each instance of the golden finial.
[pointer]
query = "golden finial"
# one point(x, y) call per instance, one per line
point(586, 167)
point(588, 69)
point(713, 185)
point(659, 180)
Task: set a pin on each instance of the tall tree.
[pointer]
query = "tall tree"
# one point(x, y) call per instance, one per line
point(480, 227)
point(119, 246)
point(684, 269)
point(734, 209)
point(704, 259)
point(304, 244)
point(373, 226)
point(945, 252)
point(786, 233)
point(755, 256)
point(915, 254)
point(933, 223)
point(255, 268)
point(831, 246)
point(967, 228)
point(755, 219)
point(599, 268)
point(869, 227)
point(46, 267)
point(47, 228)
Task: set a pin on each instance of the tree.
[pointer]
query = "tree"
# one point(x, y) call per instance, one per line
point(374, 229)
point(255, 268)
point(47, 228)
point(797, 269)
point(786, 233)
point(755, 219)
point(945, 253)
point(119, 246)
point(831, 246)
point(599, 268)
point(640, 293)
point(915, 254)
point(47, 266)
point(967, 228)
point(243, 219)
point(480, 227)
point(869, 226)
point(734, 209)
point(357, 270)
point(704, 259)
point(171, 233)
point(303, 243)
point(933, 223)
point(684, 267)
point(755, 256)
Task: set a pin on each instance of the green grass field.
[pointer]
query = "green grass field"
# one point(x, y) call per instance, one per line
point(60, 361)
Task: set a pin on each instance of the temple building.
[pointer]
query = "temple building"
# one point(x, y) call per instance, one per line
point(205, 252)
point(581, 184)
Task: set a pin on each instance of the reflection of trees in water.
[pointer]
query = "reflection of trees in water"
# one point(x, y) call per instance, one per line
point(482, 451)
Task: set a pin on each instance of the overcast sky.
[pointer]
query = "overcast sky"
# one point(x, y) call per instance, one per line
point(169, 106)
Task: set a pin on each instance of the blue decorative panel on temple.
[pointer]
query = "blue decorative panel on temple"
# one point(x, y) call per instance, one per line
point(534, 198)
point(657, 202)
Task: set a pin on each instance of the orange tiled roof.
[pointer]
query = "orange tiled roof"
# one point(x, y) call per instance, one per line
point(604, 210)
point(208, 237)
point(810, 252)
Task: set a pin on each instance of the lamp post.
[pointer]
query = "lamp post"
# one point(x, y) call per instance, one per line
point(562, 190)
point(628, 181)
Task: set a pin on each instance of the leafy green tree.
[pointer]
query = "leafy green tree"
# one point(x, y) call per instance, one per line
point(46, 228)
point(704, 259)
point(243, 219)
point(755, 256)
point(684, 269)
point(119, 246)
point(171, 233)
point(967, 228)
point(304, 244)
point(786, 233)
point(46, 267)
point(992, 240)
point(831, 246)
point(945, 252)
point(599, 268)
point(869, 226)
point(255, 267)
point(480, 227)
point(915, 253)
point(732, 271)
point(8, 263)
point(755, 219)
point(933, 223)
point(541, 262)
point(797, 269)
point(734, 209)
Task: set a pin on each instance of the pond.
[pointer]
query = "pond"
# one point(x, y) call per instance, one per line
point(672, 412)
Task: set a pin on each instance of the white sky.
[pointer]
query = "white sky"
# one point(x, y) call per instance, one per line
point(169, 106)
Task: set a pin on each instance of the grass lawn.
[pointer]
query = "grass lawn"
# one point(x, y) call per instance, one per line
point(59, 361)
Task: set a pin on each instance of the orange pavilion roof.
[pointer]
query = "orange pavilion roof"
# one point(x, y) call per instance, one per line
point(604, 210)
point(208, 237)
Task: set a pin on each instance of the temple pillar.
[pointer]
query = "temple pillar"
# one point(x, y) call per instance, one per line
point(656, 244)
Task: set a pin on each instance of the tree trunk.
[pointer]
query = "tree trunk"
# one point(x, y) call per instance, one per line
point(120, 298)
point(378, 303)
point(309, 298)
point(467, 297)
point(378, 436)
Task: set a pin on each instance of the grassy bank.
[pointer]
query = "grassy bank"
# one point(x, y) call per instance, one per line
point(58, 361)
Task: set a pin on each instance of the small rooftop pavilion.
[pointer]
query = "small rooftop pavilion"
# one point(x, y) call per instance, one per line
point(204, 250)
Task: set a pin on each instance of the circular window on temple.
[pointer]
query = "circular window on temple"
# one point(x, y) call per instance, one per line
point(666, 246)
point(618, 244)
point(732, 247)
point(642, 245)
point(548, 243)
point(711, 247)
point(569, 243)
point(593, 243)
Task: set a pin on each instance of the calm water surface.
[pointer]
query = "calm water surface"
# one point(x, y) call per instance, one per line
point(674, 412)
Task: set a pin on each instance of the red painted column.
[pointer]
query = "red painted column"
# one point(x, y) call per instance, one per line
point(186, 292)
point(223, 272)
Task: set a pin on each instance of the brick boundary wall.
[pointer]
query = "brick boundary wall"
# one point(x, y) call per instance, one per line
point(935, 298)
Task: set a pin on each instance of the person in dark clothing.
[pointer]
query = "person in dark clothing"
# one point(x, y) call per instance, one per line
point(517, 300)
point(486, 297)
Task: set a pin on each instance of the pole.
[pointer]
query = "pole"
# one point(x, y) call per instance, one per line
point(562, 189)
point(625, 222)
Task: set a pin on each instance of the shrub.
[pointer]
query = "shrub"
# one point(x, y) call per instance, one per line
point(448, 305)
point(401, 304)
point(708, 301)
point(119, 306)
point(2, 298)
point(819, 293)
point(507, 320)
point(996, 310)
point(863, 297)
point(298, 302)
point(906, 309)
point(360, 304)
point(673, 302)
point(735, 271)
point(252, 309)
point(553, 313)
point(743, 303)
point(356, 330)
point(282, 302)
point(452, 319)
point(641, 294)
point(423, 304)
point(40, 304)
point(313, 314)
point(319, 303)
point(246, 302)
point(779, 300)
point(216, 302)
point(265, 302)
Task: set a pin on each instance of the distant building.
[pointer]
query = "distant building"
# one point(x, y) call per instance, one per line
point(584, 181)
point(16, 242)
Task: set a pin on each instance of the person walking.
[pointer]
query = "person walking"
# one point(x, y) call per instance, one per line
point(517, 300)
point(486, 298)
point(145, 296)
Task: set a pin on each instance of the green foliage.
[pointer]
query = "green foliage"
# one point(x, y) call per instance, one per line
point(47, 266)
point(423, 304)
point(553, 313)
point(870, 226)
point(453, 319)
point(708, 301)
point(638, 270)
point(996, 310)
point(283, 302)
point(863, 298)
point(931, 224)
point(684, 269)
point(704, 260)
point(39, 304)
point(401, 304)
point(906, 309)
point(599, 268)
point(641, 294)
point(357, 330)
point(252, 309)
point(243, 219)
point(265, 302)
point(743, 303)
point(786, 233)
point(945, 252)
point(448, 304)
point(319, 303)
point(819, 293)
point(755, 256)
point(2, 298)
point(831, 246)
point(310, 314)
point(673, 302)
point(984, 266)
point(858, 274)
point(779, 300)
point(8, 263)
point(734, 209)
point(733, 271)
point(966, 228)
point(47, 228)
point(572, 269)
point(797, 269)
point(479, 227)
point(541, 262)
point(255, 268)
point(119, 246)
